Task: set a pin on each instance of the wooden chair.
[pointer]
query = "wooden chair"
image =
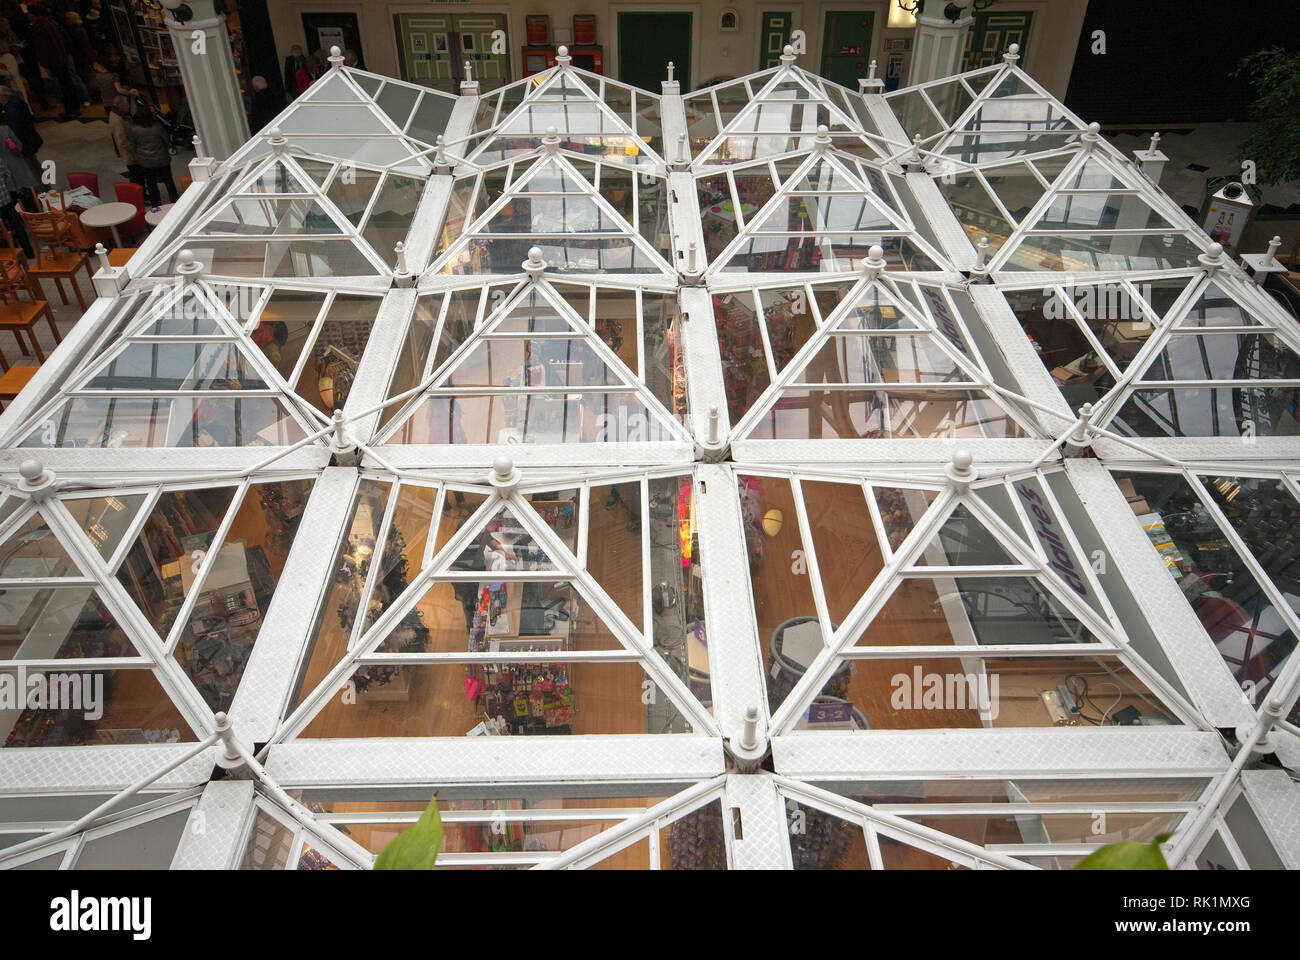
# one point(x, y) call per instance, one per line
point(185, 182)
point(21, 316)
point(118, 256)
point(13, 381)
point(14, 267)
point(57, 239)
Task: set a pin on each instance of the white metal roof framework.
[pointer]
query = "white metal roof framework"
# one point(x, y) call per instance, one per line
point(730, 383)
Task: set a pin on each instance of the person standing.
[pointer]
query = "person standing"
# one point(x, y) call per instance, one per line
point(21, 26)
point(18, 118)
point(52, 54)
point(119, 128)
point(15, 178)
point(294, 62)
point(151, 141)
point(265, 107)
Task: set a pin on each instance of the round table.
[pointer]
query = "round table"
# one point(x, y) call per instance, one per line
point(109, 215)
point(155, 217)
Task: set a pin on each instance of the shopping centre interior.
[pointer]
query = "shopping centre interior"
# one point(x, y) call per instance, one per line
point(816, 477)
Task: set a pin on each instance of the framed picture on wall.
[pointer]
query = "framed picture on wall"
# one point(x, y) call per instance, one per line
point(440, 43)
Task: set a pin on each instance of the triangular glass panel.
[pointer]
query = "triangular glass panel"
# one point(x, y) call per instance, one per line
point(825, 841)
point(551, 176)
point(190, 316)
point(568, 214)
point(131, 707)
point(1215, 308)
point(472, 616)
point(589, 417)
point(504, 544)
point(351, 191)
point(551, 362)
point(260, 216)
point(861, 359)
point(901, 510)
point(806, 213)
point(1104, 251)
point(825, 177)
point(1093, 175)
point(533, 313)
point(804, 413)
point(614, 541)
point(318, 170)
point(105, 519)
point(53, 623)
point(32, 551)
point(848, 554)
point(332, 88)
point(1225, 356)
point(189, 365)
point(874, 310)
point(944, 611)
point(964, 541)
point(162, 566)
point(215, 643)
point(277, 178)
point(1100, 211)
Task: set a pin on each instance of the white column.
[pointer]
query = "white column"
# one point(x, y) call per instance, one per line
point(939, 43)
point(208, 71)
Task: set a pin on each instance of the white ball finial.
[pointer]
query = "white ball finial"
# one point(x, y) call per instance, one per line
point(503, 467)
point(335, 52)
point(562, 51)
point(962, 460)
point(1094, 127)
point(1215, 250)
point(877, 252)
point(1014, 48)
point(31, 470)
point(788, 50)
point(534, 253)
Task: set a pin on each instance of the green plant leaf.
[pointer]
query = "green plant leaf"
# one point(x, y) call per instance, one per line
point(416, 847)
point(1127, 855)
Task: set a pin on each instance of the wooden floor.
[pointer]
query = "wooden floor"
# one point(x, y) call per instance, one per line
point(607, 696)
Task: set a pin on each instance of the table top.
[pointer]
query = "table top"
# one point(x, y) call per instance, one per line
point(108, 214)
point(155, 217)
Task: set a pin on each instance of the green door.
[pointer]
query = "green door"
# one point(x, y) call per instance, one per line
point(647, 41)
point(772, 38)
point(846, 46)
point(433, 49)
point(991, 34)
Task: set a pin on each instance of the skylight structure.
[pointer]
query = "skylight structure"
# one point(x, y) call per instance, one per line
point(900, 476)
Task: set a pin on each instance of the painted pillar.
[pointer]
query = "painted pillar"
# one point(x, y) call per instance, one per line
point(207, 68)
point(939, 43)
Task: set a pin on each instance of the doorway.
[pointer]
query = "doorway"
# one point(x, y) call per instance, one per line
point(325, 30)
point(432, 49)
point(772, 38)
point(991, 34)
point(647, 41)
point(846, 46)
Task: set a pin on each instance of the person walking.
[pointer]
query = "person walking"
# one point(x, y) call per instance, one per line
point(18, 118)
point(151, 141)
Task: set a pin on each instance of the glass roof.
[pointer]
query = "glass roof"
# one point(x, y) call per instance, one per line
point(770, 446)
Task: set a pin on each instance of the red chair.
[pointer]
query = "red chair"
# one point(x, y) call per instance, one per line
point(133, 194)
point(84, 180)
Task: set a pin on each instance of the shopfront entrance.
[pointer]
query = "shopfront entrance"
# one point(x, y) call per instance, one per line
point(325, 30)
point(432, 49)
point(991, 34)
point(647, 41)
point(846, 46)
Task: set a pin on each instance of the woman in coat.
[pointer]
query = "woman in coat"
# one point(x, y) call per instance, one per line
point(152, 140)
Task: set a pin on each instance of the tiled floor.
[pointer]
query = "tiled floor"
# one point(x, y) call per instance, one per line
point(84, 146)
